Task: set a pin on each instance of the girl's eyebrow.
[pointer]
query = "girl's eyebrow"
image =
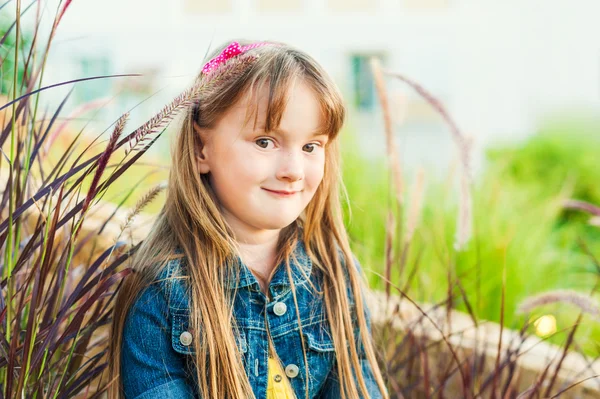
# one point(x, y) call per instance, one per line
point(315, 133)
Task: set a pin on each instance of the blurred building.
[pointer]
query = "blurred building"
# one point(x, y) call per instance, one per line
point(498, 67)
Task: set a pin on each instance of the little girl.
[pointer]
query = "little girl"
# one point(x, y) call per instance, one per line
point(246, 286)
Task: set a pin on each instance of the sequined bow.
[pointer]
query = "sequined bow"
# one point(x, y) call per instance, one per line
point(233, 50)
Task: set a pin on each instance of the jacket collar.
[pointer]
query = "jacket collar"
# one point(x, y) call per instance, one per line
point(300, 264)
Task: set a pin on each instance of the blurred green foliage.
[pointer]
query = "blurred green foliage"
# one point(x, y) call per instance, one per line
point(521, 233)
point(558, 154)
point(7, 54)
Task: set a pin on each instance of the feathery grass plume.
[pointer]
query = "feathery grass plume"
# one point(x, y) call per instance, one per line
point(103, 160)
point(461, 139)
point(398, 102)
point(162, 118)
point(393, 157)
point(141, 204)
point(465, 211)
point(585, 303)
point(582, 206)
point(207, 83)
point(416, 203)
point(464, 144)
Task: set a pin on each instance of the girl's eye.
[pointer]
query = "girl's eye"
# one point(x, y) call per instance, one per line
point(310, 146)
point(263, 143)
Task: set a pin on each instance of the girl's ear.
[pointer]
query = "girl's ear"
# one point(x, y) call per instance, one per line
point(201, 152)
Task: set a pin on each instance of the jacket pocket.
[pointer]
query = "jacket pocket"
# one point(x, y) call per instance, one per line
point(181, 335)
point(320, 354)
point(318, 342)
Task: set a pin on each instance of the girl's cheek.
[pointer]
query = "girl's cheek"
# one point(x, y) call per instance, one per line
point(318, 162)
point(316, 171)
point(258, 161)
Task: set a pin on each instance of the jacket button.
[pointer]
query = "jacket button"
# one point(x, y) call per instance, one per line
point(185, 338)
point(291, 370)
point(277, 378)
point(280, 308)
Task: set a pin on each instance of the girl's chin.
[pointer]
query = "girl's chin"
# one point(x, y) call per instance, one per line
point(277, 223)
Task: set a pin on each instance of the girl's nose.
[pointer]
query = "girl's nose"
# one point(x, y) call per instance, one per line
point(291, 166)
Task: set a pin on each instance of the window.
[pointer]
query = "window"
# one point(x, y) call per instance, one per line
point(362, 80)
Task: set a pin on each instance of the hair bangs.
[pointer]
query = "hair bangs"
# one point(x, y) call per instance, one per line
point(278, 76)
point(333, 111)
point(279, 72)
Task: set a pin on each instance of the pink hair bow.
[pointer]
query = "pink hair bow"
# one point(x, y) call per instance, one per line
point(233, 50)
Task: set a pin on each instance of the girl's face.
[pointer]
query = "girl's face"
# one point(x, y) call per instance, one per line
point(248, 166)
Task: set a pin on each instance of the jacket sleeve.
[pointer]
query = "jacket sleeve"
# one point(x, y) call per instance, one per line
point(331, 386)
point(150, 367)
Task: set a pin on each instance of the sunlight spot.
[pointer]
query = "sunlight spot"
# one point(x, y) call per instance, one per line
point(545, 325)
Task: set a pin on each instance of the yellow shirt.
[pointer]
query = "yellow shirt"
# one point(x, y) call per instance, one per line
point(278, 386)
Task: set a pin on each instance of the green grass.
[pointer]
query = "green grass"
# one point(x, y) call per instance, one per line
point(519, 225)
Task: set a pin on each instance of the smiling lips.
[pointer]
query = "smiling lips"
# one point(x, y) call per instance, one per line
point(281, 193)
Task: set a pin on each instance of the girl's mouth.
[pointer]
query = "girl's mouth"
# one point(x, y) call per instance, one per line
point(281, 193)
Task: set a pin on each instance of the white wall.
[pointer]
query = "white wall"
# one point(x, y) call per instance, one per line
point(500, 66)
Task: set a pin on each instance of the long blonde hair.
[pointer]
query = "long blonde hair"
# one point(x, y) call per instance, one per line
point(190, 219)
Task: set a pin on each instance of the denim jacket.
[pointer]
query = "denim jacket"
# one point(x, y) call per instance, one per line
point(157, 349)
